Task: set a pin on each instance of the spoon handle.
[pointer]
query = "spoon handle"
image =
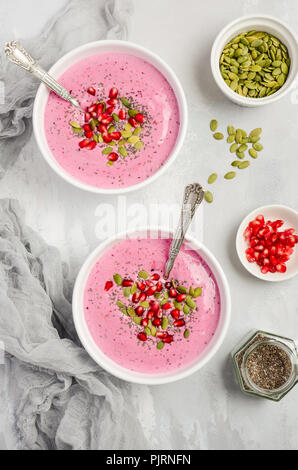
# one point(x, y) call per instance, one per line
point(18, 55)
point(193, 196)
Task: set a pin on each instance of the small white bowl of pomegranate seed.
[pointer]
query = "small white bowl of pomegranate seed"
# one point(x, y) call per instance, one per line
point(140, 327)
point(134, 120)
point(267, 243)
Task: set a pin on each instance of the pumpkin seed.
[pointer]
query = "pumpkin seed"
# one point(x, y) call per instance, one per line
point(182, 290)
point(153, 331)
point(190, 303)
point(213, 125)
point(75, 125)
point(231, 130)
point(160, 345)
point(144, 304)
point(177, 305)
point(186, 309)
point(133, 139)
point(208, 196)
point(125, 102)
point(218, 136)
point(147, 331)
point(122, 150)
point(143, 274)
point(255, 132)
point(230, 139)
point(110, 163)
point(253, 153)
point(115, 117)
point(138, 145)
point(233, 147)
point(212, 178)
point(120, 304)
point(243, 165)
point(242, 148)
point(132, 112)
point(137, 131)
point(198, 292)
point(257, 146)
point(126, 134)
point(186, 333)
point(230, 175)
point(118, 279)
point(131, 311)
point(126, 291)
point(164, 323)
point(107, 150)
point(137, 320)
point(133, 289)
point(235, 163)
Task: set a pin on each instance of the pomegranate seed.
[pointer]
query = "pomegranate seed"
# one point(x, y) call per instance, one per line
point(155, 277)
point(151, 290)
point(281, 268)
point(91, 90)
point(158, 314)
point(87, 128)
point(266, 262)
point(113, 93)
point(145, 322)
point(259, 247)
point(122, 114)
point(273, 260)
point(107, 138)
point(173, 292)
point(167, 306)
point(168, 339)
point(158, 286)
point(181, 297)
point(92, 108)
point(139, 117)
point(132, 122)
point(142, 336)
point(175, 313)
point(179, 323)
point(143, 296)
point(264, 270)
point(154, 305)
point(106, 118)
point(168, 285)
point(247, 233)
point(141, 285)
point(112, 102)
point(250, 259)
point(87, 117)
point(161, 334)
point(136, 297)
point(99, 109)
point(108, 285)
point(88, 134)
point(150, 314)
point(272, 269)
point(139, 310)
point(156, 322)
point(260, 218)
point(254, 241)
point(113, 157)
point(83, 143)
point(102, 128)
point(116, 135)
point(127, 283)
point(110, 109)
point(266, 252)
point(149, 283)
point(91, 145)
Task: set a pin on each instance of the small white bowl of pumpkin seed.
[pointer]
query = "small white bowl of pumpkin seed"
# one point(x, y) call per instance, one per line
point(254, 60)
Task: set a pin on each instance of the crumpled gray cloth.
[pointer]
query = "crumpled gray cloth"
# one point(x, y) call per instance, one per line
point(56, 396)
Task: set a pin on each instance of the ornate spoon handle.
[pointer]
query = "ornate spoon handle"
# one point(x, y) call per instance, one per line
point(193, 196)
point(19, 56)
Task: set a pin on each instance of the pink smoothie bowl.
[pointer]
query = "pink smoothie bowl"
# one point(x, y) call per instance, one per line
point(135, 376)
point(70, 59)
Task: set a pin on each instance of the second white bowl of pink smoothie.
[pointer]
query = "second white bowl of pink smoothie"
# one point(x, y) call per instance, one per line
point(140, 327)
point(134, 122)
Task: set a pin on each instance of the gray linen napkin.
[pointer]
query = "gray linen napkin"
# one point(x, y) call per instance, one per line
point(54, 395)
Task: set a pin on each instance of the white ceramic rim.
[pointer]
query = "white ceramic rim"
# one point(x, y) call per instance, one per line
point(136, 377)
point(57, 69)
point(241, 245)
point(244, 23)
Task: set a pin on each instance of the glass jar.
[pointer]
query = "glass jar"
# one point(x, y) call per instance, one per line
point(266, 365)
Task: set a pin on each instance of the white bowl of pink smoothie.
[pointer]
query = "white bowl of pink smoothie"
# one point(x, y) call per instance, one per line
point(135, 120)
point(184, 331)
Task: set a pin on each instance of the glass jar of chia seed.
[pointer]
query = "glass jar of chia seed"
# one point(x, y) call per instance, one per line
point(266, 365)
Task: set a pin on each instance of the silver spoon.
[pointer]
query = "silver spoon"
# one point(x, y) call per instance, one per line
point(18, 55)
point(193, 196)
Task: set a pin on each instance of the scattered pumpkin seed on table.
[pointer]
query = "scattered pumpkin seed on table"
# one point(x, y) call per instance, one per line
point(212, 178)
point(213, 125)
point(208, 196)
point(254, 64)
